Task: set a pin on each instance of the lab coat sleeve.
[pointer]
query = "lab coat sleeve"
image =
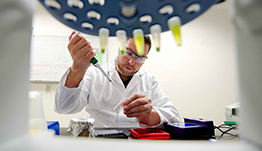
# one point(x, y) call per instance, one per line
point(71, 100)
point(163, 105)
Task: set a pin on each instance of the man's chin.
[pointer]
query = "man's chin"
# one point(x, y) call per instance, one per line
point(128, 71)
point(127, 74)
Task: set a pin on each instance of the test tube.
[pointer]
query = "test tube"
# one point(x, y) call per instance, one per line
point(174, 24)
point(128, 8)
point(75, 3)
point(121, 38)
point(103, 36)
point(155, 31)
point(139, 40)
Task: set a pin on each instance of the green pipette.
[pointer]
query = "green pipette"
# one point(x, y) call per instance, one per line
point(95, 62)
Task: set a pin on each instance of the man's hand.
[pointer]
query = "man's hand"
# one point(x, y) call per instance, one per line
point(139, 106)
point(81, 52)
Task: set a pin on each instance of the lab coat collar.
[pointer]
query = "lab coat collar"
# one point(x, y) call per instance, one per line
point(115, 76)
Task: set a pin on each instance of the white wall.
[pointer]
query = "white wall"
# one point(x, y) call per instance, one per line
point(199, 76)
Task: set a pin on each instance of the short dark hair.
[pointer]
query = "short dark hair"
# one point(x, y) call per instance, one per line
point(147, 40)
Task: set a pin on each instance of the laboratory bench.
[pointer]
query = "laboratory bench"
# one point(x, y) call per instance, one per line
point(225, 138)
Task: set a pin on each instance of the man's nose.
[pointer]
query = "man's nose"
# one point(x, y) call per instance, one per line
point(132, 61)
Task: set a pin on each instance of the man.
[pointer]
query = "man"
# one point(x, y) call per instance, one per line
point(144, 103)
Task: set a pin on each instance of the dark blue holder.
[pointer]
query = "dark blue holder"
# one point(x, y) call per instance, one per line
point(147, 13)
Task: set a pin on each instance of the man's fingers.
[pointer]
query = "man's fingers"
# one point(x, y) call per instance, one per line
point(134, 97)
point(135, 103)
point(138, 112)
point(79, 47)
point(139, 108)
point(72, 35)
point(88, 56)
point(74, 38)
point(82, 45)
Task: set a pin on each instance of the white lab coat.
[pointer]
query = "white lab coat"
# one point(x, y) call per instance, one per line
point(99, 97)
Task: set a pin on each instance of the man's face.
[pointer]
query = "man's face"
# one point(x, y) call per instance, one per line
point(128, 67)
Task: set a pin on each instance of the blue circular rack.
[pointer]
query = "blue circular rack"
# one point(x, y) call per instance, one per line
point(88, 16)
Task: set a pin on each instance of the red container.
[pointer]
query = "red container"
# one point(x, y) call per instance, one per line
point(149, 133)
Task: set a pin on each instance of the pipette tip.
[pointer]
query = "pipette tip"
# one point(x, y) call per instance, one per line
point(120, 104)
